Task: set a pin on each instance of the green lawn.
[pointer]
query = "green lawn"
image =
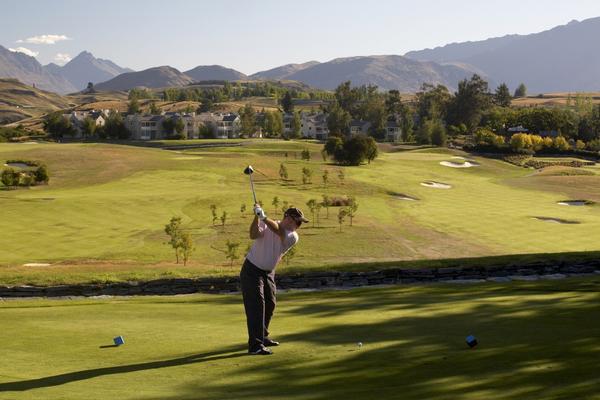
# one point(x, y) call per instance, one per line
point(102, 216)
point(538, 340)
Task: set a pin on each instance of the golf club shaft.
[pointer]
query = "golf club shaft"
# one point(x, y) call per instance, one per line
point(252, 186)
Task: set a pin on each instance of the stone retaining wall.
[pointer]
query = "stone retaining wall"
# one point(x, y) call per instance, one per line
point(313, 280)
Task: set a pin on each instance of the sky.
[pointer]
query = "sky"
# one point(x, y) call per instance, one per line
point(252, 36)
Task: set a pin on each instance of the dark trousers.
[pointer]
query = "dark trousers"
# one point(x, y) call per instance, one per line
point(258, 290)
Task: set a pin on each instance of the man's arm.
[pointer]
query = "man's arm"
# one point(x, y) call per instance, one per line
point(275, 227)
point(255, 233)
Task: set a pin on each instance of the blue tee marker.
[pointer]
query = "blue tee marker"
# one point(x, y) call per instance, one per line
point(119, 340)
point(471, 341)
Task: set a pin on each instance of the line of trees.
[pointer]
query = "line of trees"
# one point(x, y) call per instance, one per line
point(58, 126)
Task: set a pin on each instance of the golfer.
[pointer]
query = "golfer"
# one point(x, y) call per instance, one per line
point(272, 239)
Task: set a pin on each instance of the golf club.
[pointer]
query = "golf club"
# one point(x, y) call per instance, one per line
point(249, 171)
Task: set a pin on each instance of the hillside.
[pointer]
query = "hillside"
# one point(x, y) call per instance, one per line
point(214, 73)
point(387, 72)
point(19, 101)
point(283, 72)
point(564, 58)
point(157, 77)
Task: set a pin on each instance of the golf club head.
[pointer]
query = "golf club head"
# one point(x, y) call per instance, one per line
point(249, 170)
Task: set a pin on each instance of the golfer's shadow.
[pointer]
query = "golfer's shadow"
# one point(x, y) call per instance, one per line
point(61, 379)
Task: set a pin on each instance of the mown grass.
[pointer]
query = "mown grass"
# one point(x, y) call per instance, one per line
point(536, 340)
point(103, 214)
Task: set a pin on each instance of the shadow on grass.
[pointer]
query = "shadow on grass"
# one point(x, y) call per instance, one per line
point(536, 341)
point(69, 377)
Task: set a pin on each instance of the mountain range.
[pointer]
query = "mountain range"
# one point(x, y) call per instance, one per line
point(564, 58)
point(72, 77)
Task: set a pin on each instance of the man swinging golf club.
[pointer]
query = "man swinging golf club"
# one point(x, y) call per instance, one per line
point(272, 239)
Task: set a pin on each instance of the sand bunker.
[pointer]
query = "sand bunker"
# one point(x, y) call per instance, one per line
point(466, 164)
point(36, 265)
point(436, 185)
point(576, 203)
point(556, 220)
point(405, 197)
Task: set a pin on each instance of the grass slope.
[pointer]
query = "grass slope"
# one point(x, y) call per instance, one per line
point(537, 340)
point(104, 211)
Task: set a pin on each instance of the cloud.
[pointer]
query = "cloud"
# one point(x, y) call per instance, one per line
point(62, 58)
point(44, 39)
point(24, 50)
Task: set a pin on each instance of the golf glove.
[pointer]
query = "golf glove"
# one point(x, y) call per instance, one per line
point(260, 213)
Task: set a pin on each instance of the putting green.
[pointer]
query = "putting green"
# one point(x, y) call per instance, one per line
point(538, 340)
point(103, 214)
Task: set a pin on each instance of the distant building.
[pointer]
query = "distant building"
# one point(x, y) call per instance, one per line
point(517, 129)
point(393, 131)
point(358, 126)
point(77, 119)
point(314, 126)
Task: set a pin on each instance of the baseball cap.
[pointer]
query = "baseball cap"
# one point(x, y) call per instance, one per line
point(296, 214)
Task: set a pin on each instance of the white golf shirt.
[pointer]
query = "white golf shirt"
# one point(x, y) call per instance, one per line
point(268, 249)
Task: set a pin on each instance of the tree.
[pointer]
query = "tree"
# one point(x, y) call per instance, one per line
point(89, 127)
point(287, 103)
point(213, 210)
point(325, 177)
point(438, 134)
point(283, 172)
point(232, 251)
point(352, 208)
point(296, 126)
point(306, 175)
point(154, 110)
point(134, 106)
point(275, 203)
point(561, 144)
point(273, 123)
point(173, 230)
point(341, 176)
point(326, 204)
point(338, 120)
point(174, 128)
point(57, 125)
point(187, 247)
point(502, 96)
point(333, 145)
point(372, 151)
point(356, 150)
point(9, 178)
point(342, 216)
point(312, 205)
point(406, 123)
point(305, 155)
point(393, 103)
point(114, 127)
point(248, 117)
point(41, 174)
point(318, 211)
point(223, 218)
point(521, 91)
point(433, 101)
point(470, 102)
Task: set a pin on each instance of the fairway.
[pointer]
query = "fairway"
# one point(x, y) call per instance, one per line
point(102, 217)
point(537, 340)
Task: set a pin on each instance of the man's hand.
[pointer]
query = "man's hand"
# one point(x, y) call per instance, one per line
point(259, 212)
